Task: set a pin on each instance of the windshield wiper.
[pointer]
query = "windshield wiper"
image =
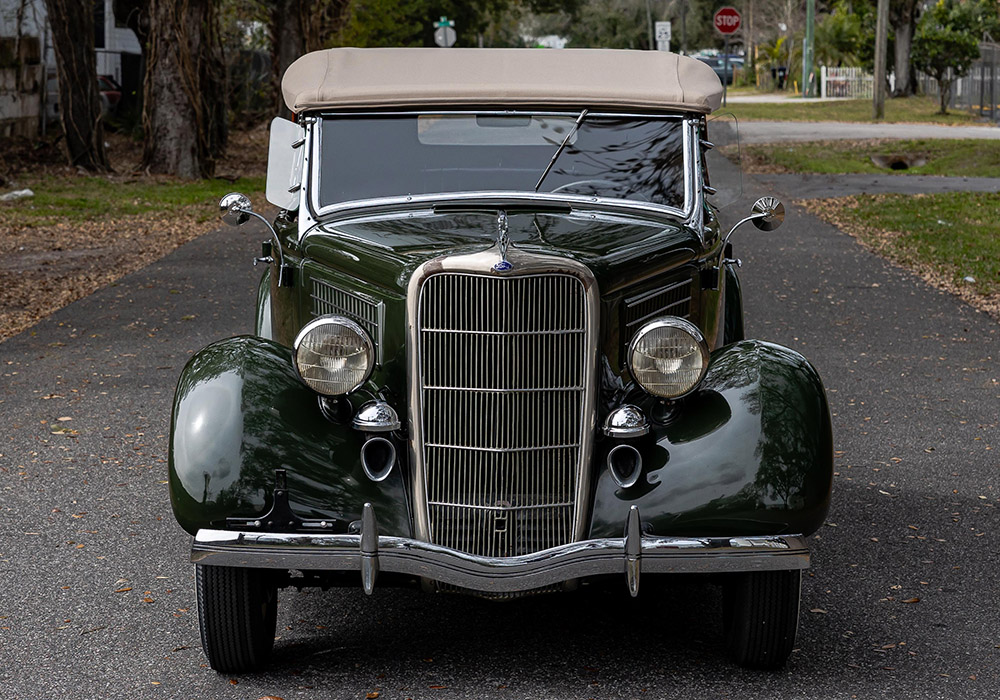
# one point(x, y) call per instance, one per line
point(576, 127)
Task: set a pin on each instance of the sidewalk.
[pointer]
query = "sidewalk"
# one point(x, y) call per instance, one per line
point(777, 97)
point(775, 132)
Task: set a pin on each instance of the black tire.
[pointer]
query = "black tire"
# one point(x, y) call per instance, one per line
point(237, 612)
point(761, 617)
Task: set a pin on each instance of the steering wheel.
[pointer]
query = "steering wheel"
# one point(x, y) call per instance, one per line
point(599, 185)
point(596, 184)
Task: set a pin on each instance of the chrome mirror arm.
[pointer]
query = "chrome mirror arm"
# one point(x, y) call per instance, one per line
point(236, 209)
point(274, 234)
point(740, 223)
point(767, 214)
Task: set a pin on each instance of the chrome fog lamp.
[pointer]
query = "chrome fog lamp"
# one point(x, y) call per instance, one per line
point(333, 355)
point(626, 422)
point(668, 357)
point(376, 417)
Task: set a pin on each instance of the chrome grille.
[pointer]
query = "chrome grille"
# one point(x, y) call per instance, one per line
point(502, 373)
point(329, 299)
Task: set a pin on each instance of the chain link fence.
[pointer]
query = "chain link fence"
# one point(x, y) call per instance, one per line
point(979, 90)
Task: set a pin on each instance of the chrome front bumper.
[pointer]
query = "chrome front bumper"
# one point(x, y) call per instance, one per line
point(370, 553)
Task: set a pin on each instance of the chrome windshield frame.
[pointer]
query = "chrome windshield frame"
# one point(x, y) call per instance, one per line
point(311, 211)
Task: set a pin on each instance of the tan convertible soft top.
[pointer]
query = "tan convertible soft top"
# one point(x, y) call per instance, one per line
point(412, 77)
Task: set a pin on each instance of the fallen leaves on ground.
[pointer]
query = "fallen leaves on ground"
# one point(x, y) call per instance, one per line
point(47, 266)
point(835, 211)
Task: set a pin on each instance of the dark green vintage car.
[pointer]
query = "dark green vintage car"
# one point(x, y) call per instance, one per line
point(499, 350)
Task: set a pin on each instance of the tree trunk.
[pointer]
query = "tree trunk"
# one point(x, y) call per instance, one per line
point(297, 27)
point(288, 42)
point(183, 96)
point(944, 89)
point(72, 24)
point(904, 41)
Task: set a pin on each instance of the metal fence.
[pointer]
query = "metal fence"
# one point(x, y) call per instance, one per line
point(978, 91)
point(841, 81)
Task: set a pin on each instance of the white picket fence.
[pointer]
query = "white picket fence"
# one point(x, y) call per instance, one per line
point(845, 82)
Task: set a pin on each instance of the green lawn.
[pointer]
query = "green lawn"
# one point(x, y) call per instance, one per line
point(968, 158)
point(954, 234)
point(79, 198)
point(908, 109)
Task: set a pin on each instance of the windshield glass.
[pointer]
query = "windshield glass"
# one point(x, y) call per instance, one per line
point(633, 158)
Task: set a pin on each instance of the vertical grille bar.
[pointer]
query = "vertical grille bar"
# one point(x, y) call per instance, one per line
point(502, 367)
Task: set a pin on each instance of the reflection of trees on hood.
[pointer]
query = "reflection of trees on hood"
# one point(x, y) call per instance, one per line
point(740, 370)
point(270, 395)
point(792, 418)
point(785, 454)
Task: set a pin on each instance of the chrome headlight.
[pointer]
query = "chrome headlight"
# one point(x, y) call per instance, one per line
point(668, 357)
point(333, 355)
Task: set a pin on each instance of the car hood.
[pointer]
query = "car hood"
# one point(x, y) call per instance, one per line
point(386, 249)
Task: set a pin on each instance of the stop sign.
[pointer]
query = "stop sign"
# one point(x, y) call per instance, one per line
point(727, 20)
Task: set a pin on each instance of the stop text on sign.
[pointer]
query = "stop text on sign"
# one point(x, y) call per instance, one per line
point(727, 20)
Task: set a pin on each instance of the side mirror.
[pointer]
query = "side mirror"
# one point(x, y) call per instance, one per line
point(773, 212)
point(235, 209)
point(767, 213)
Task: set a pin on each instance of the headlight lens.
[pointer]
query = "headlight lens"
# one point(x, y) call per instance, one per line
point(668, 357)
point(333, 355)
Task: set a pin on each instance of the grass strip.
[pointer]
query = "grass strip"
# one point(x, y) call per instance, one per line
point(960, 157)
point(918, 110)
point(78, 198)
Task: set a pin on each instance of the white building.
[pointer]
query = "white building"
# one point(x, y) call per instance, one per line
point(24, 26)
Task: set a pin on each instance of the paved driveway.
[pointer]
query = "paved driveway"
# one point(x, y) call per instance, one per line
point(97, 598)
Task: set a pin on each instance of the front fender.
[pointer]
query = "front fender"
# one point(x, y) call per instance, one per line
point(240, 413)
point(749, 453)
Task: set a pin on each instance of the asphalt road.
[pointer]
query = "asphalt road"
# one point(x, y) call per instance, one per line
point(97, 597)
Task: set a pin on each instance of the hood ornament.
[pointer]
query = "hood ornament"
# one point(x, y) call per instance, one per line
point(503, 243)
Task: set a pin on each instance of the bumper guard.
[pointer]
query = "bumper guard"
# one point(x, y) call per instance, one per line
point(370, 552)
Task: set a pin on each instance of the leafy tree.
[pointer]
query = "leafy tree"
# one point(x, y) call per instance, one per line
point(839, 36)
point(611, 24)
point(946, 43)
point(623, 24)
point(411, 22)
point(388, 23)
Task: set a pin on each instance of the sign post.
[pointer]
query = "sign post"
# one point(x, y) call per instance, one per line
point(444, 34)
point(663, 36)
point(727, 22)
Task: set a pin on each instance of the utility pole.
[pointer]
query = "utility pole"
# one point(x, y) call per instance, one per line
point(881, 42)
point(807, 49)
point(684, 28)
point(649, 23)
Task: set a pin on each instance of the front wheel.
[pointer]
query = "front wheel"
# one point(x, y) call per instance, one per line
point(761, 617)
point(237, 612)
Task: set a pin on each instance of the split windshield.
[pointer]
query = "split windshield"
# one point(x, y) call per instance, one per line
point(365, 157)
